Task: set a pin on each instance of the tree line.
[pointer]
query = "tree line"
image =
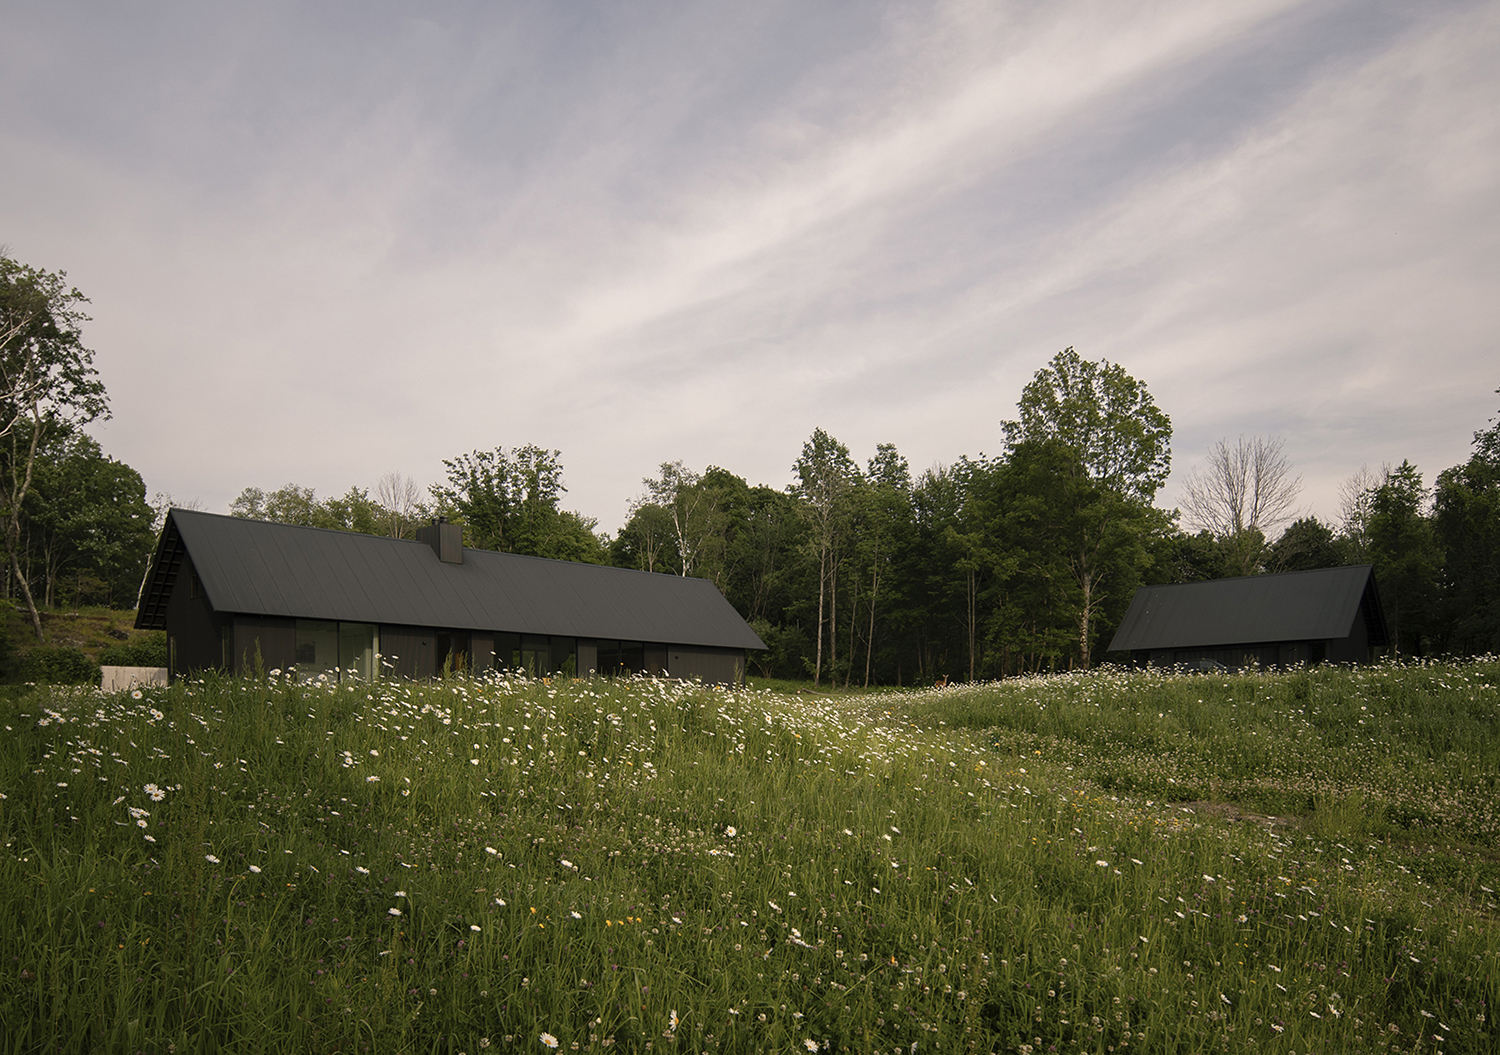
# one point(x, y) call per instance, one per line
point(864, 573)
point(860, 572)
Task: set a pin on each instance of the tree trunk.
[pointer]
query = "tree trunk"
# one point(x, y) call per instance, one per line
point(971, 590)
point(1087, 582)
point(822, 588)
point(18, 491)
point(36, 617)
point(833, 620)
point(870, 641)
point(853, 626)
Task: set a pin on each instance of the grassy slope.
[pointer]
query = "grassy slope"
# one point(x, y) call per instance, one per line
point(1029, 866)
point(87, 629)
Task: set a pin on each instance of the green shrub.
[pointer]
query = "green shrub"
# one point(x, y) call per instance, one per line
point(7, 653)
point(148, 650)
point(58, 665)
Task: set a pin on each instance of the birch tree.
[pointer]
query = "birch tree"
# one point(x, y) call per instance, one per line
point(47, 382)
point(825, 476)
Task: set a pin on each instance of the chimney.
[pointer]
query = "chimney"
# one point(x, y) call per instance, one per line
point(446, 540)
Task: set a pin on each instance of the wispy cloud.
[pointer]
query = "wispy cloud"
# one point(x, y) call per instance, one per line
point(337, 242)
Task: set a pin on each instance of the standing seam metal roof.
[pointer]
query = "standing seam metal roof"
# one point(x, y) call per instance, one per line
point(258, 568)
point(1293, 606)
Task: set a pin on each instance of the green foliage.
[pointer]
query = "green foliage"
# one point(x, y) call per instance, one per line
point(1084, 542)
point(282, 867)
point(1105, 416)
point(645, 542)
point(1308, 544)
point(1406, 556)
point(58, 665)
point(355, 511)
point(48, 386)
point(509, 502)
point(46, 372)
point(87, 525)
point(826, 480)
point(9, 661)
point(1466, 520)
point(1182, 557)
point(147, 650)
point(786, 651)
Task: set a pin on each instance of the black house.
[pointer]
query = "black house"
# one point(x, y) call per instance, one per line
point(233, 594)
point(1330, 615)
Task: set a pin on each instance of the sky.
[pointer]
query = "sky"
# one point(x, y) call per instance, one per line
point(325, 242)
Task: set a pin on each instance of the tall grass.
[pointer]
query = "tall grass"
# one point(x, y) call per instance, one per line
point(1031, 866)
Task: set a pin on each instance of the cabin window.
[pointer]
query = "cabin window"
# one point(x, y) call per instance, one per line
point(562, 656)
point(317, 647)
point(534, 655)
point(339, 651)
point(453, 648)
point(507, 651)
point(620, 657)
point(359, 644)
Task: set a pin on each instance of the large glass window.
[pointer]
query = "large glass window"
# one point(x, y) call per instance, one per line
point(452, 649)
point(336, 649)
point(632, 657)
point(620, 657)
point(317, 647)
point(358, 645)
point(535, 653)
point(507, 651)
point(562, 656)
point(539, 655)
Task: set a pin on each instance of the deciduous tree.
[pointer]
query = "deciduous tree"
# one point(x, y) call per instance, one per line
point(1306, 545)
point(1105, 416)
point(47, 382)
point(1405, 553)
point(1241, 494)
point(1466, 517)
point(825, 476)
point(508, 501)
point(87, 527)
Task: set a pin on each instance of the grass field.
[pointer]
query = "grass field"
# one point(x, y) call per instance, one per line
point(1110, 862)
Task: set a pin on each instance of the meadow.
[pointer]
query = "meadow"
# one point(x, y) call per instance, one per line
point(1103, 862)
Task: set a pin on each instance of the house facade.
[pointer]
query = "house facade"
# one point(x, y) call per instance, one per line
point(244, 595)
point(1331, 615)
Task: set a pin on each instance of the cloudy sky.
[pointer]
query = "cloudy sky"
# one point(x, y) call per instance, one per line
point(328, 241)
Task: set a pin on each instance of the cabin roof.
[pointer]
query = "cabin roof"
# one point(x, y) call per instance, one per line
point(259, 568)
point(1292, 606)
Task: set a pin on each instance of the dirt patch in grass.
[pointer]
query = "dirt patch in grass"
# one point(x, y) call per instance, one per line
point(1228, 811)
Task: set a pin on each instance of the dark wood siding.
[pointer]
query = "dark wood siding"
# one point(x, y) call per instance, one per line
point(408, 651)
point(588, 656)
point(483, 644)
point(193, 628)
point(654, 660)
point(715, 666)
point(1352, 649)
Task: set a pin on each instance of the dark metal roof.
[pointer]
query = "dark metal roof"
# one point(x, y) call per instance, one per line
point(1294, 606)
point(257, 568)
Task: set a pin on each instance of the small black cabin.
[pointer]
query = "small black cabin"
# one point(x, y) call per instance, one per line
point(234, 594)
point(1330, 615)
